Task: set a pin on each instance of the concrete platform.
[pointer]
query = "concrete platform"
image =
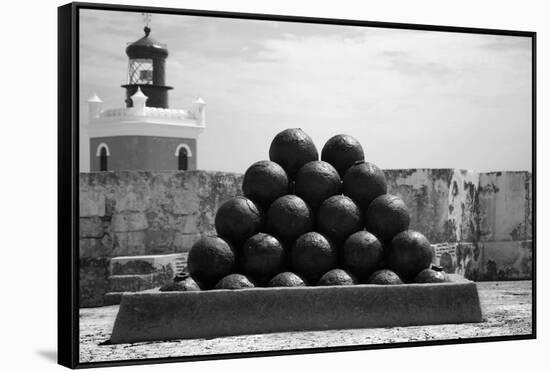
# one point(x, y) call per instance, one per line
point(154, 316)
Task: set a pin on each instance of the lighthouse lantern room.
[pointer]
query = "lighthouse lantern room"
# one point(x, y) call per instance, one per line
point(146, 70)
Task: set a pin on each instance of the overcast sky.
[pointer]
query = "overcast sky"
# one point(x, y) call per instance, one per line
point(414, 99)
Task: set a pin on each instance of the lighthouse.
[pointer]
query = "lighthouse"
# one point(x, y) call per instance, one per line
point(145, 134)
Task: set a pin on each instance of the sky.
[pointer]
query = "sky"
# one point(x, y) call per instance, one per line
point(414, 99)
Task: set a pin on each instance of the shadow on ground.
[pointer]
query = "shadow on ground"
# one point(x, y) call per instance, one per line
point(50, 355)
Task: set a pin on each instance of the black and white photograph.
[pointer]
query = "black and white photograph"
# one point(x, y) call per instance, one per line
point(254, 185)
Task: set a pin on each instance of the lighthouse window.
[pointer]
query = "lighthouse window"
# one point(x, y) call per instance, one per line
point(146, 75)
point(140, 71)
point(182, 159)
point(103, 159)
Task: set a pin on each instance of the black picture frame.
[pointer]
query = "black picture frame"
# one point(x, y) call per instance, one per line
point(68, 173)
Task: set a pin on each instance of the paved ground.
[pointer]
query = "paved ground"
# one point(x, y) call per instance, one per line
point(506, 310)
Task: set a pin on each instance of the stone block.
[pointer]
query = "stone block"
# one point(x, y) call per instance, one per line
point(146, 264)
point(93, 281)
point(188, 224)
point(135, 266)
point(186, 201)
point(134, 201)
point(129, 222)
point(93, 248)
point(160, 241)
point(91, 203)
point(91, 227)
point(184, 242)
point(129, 243)
point(138, 282)
point(206, 220)
point(155, 316)
point(107, 241)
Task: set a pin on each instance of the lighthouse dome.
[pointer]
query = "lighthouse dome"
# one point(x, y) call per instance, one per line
point(146, 47)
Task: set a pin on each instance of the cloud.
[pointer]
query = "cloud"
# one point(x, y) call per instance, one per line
point(512, 44)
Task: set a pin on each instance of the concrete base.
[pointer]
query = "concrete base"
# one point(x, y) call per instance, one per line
point(206, 314)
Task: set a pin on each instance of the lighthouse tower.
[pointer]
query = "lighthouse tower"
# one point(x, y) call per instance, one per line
point(146, 134)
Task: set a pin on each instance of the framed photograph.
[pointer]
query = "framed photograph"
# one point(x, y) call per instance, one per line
point(236, 185)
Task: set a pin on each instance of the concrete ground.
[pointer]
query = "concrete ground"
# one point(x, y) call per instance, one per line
point(506, 310)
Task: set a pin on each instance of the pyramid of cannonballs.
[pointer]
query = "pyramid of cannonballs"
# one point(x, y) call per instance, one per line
point(309, 222)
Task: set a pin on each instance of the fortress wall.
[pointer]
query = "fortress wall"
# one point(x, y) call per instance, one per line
point(479, 224)
point(441, 201)
point(133, 213)
point(505, 225)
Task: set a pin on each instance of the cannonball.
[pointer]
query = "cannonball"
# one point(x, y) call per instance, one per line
point(312, 255)
point(187, 284)
point(286, 279)
point(262, 257)
point(338, 217)
point(264, 182)
point(384, 277)
point(288, 217)
point(428, 275)
point(292, 149)
point(210, 259)
point(316, 181)
point(234, 281)
point(363, 182)
point(408, 254)
point(342, 151)
point(363, 254)
point(336, 277)
point(238, 219)
point(386, 216)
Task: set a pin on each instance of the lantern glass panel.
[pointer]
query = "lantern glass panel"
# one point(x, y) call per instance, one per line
point(140, 71)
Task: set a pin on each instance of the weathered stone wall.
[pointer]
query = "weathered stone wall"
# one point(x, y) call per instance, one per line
point(505, 229)
point(441, 201)
point(140, 213)
point(505, 206)
point(137, 213)
point(480, 224)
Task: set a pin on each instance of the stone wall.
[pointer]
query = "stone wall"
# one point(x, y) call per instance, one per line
point(479, 223)
point(505, 206)
point(441, 201)
point(504, 225)
point(142, 213)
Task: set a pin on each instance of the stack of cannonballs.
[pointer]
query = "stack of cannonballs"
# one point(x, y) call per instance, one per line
point(309, 222)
